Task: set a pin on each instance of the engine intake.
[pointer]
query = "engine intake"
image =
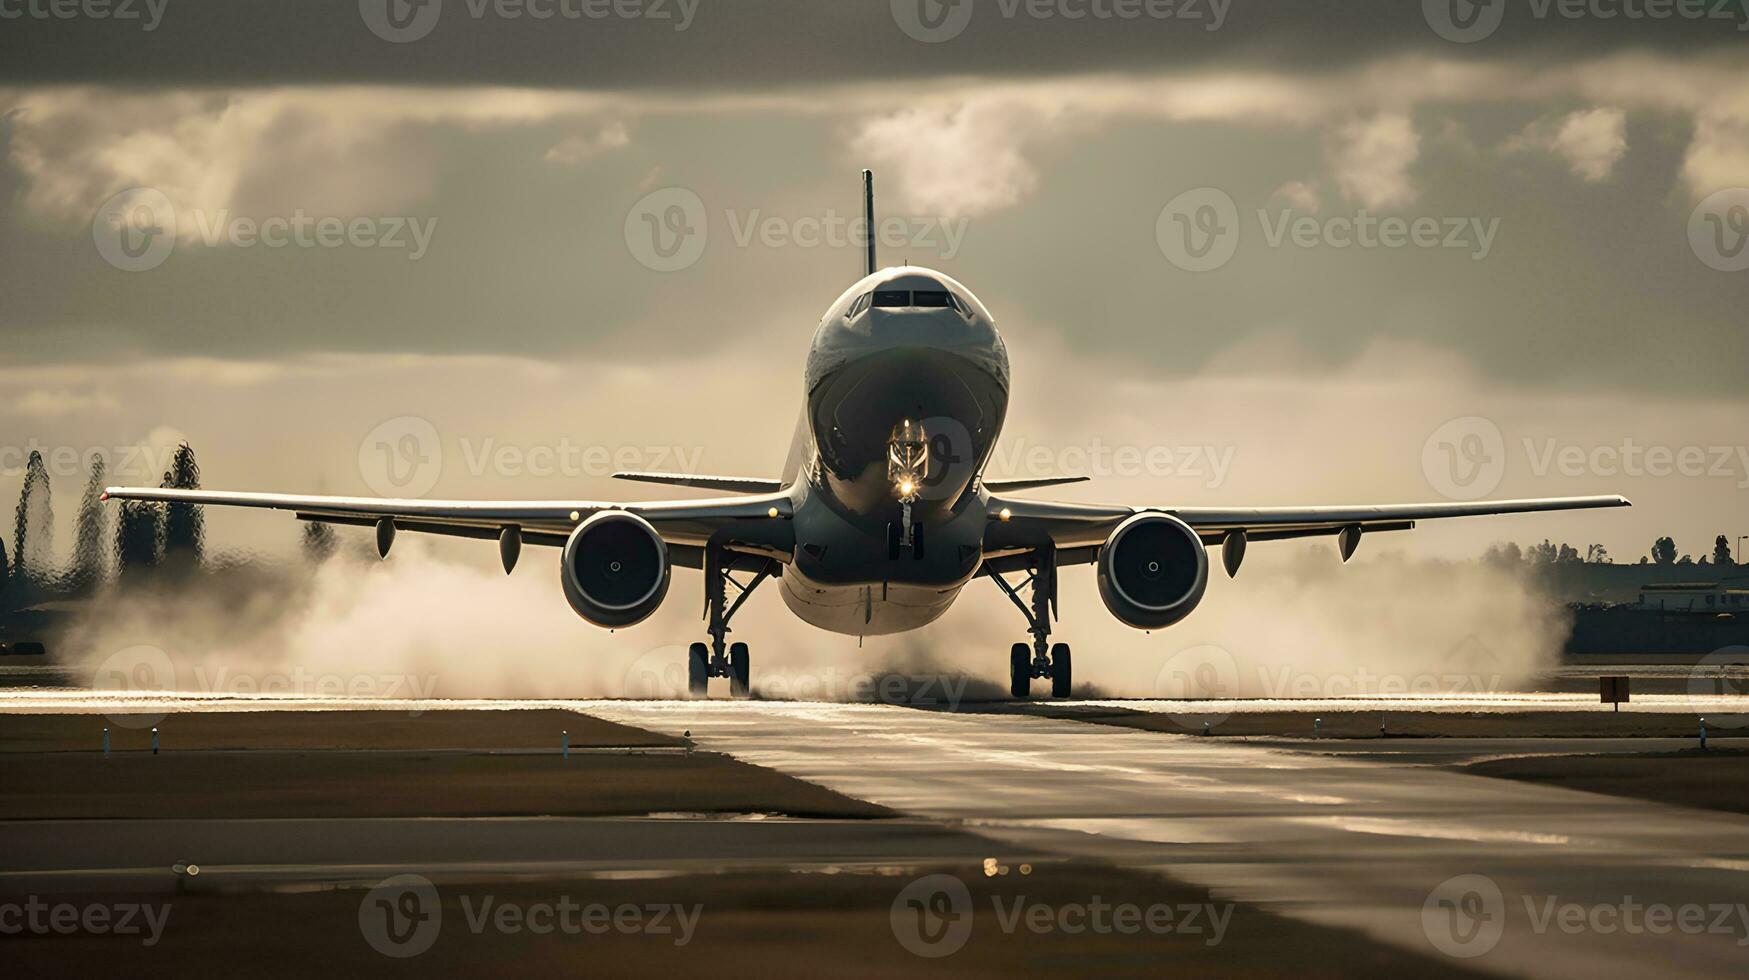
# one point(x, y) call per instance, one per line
point(615, 569)
point(1152, 571)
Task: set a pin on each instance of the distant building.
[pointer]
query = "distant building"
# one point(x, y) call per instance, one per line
point(1728, 596)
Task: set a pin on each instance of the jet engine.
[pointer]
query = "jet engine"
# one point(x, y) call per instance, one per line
point(614, 569)
point(1152, 571)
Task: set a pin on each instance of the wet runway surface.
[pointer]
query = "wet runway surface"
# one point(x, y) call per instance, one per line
point(1494, 871)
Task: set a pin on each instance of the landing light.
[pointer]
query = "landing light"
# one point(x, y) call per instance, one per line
point(1005, 513)
point(907, 488)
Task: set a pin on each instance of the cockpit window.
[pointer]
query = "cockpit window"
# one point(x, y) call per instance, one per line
point(935, 299)
point(857, 307)
point(890, 298)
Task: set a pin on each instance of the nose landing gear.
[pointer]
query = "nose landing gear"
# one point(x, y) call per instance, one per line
point(1040, 658)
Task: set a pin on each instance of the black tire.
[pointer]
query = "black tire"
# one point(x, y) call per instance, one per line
point(1062, 670)
point(698, 673)
point(740, 671)
point(1020, 671)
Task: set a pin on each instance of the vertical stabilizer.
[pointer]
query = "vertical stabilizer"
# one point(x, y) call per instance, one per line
point(868, 225)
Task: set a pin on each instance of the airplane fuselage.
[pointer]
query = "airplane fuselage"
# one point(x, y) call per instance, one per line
point(902, 347)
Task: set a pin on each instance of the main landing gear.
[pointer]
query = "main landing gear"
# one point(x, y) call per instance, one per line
point(720, 658)
point(1040, 658)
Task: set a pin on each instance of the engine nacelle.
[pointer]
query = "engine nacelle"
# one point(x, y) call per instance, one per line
point(1152, 571)
point(615, 569)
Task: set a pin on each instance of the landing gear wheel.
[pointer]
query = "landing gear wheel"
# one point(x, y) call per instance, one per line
point(1061, 670)
point(1020, 671)
point(698, 670)
point(740, 671)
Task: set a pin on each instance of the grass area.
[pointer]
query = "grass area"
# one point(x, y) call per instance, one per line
point(1711, 780)
point(509, 729)
point(745, 924)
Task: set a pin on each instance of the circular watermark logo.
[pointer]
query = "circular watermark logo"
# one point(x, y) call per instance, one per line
point(952, 457)
point(135, 230)
point(142, 670)
point(657, 675)
point(402, 457)
point(400, 21)
point(1465, 458)
point(932, 916)
point(401, 916)
point(932, 21)
point(667, 229)
point(1718, 229)
point(1463, 21)
point(1464, 916)
point(1204, 671)
point(1722, 673)
point(1198, 231)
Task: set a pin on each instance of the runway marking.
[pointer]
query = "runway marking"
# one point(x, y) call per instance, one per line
point(1363, 844)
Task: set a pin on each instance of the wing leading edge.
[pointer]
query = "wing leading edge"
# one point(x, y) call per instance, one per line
point(1067, 526)
point(753, 524)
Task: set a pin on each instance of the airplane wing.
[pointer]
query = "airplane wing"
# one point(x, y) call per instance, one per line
point(721, 484)
point(756, 525)
point(1077, 530)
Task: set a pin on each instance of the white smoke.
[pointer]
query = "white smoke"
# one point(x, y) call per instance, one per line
point(424, 624)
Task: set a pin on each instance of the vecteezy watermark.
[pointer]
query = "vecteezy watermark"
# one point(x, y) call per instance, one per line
point(1207, 672)
point(404, 457)
point(148, 14)
point(142, 671)
point(1018, 458)
point(1464, 916)
point(932, 917)
point(661, 674)
point(1467, 915)
point(403, 915)
point(64, 461)
point(934, 21)
point(667, 230)
point(401, 21)
point(1724, 673)
point(145, 672)
point(1467, 457)
point(1468, 21)
point(37, 917)
point(1200, 231)
point(136, 230)
point(1718, 229)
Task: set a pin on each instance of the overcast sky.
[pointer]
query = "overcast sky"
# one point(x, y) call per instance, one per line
point(1302, 238)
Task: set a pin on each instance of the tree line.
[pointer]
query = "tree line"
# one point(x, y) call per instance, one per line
point(149, 539)
point(1663, 552)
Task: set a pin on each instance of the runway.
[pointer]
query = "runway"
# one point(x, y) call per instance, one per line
point(1369, 845)
point(1377, 835)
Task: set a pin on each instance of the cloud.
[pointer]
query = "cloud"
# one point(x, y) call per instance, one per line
point(960, 146)
point(1591, 141)
point(962, 160)
point(1370, 159)
point(1718, 154)
point(340, 152)
point(580, 147)
point(1300, 194)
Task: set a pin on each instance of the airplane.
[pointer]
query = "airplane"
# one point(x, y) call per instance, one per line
point(881, 515)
